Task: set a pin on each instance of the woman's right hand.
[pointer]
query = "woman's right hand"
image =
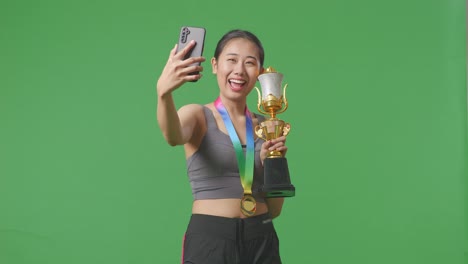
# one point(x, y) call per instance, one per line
point(176, 72)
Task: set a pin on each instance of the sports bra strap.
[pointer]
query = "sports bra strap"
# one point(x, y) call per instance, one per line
point(209, 117)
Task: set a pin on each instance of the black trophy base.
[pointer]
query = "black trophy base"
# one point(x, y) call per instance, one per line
point(276, 179)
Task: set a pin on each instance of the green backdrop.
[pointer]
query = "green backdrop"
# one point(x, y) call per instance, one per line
point(377, 149)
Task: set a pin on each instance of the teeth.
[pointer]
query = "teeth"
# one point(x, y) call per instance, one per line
point(237, 81)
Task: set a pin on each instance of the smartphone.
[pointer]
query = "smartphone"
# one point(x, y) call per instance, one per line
point(192, 33)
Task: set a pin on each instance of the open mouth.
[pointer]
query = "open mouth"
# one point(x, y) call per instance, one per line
point(237, 84)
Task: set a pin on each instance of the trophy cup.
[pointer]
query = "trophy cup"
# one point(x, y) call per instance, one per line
point(272, 101)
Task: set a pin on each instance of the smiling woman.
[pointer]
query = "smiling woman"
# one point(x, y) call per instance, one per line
point(238, 67)
point(230, 222)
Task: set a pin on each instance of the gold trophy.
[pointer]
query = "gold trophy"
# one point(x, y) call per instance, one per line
point(272, 101)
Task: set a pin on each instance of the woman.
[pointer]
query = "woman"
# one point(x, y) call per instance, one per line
point(230, 222)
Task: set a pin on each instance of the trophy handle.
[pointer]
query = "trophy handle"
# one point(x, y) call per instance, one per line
point(285, 101)
point(259, 132)
point(259, 103)
point(286, 129)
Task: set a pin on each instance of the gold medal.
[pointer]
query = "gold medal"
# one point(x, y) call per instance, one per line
point(248, 205)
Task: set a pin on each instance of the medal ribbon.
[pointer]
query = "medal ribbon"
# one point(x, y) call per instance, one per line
point(245, 162)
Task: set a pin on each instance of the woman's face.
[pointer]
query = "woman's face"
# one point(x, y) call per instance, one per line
point(237, 68)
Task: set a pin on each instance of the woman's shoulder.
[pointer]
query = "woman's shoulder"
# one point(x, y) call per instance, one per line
point(195, 110)
point(196, 107)
point(191, 109)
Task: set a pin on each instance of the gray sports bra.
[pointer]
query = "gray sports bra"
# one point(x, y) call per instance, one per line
point(213, 171)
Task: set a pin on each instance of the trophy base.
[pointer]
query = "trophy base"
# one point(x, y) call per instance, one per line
point(276, 179)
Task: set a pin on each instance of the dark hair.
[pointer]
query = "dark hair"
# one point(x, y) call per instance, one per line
point(238, 33)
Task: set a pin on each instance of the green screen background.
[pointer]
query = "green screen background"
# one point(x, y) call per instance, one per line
point(377, 150)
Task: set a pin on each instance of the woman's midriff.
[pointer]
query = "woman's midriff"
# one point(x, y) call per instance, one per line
point(224, 207)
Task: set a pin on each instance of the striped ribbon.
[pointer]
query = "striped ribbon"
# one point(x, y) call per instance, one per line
point(245, 162)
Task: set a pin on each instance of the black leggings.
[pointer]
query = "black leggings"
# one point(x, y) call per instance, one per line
point(221, 240)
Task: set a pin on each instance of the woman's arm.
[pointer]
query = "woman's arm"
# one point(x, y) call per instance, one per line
point(275, 205)
point(176, 126)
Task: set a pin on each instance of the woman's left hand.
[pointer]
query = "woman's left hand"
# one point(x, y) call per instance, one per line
point(274, 144)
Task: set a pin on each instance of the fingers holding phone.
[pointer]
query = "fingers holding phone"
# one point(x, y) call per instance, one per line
point(191, 63)
point(190, 47)
point(184, 62)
